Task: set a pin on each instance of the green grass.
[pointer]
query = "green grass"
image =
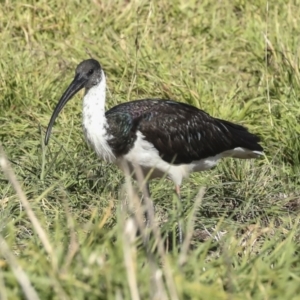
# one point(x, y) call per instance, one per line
point(237, 60)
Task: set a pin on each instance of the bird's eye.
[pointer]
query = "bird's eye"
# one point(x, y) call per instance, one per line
point(90, 72)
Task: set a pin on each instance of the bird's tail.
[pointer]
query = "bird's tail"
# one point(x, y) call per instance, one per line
point(244, 143)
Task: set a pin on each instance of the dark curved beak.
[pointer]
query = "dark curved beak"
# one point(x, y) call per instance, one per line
point(76, 85)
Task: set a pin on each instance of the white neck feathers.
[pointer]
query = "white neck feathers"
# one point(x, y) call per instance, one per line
point(94, 120)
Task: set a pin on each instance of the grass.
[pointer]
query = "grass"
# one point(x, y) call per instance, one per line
point(63, 230)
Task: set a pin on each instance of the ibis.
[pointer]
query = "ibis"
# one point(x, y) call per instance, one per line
point(161, 136)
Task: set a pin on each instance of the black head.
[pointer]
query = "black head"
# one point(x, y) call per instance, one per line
point(90, 71)
point(88, 74)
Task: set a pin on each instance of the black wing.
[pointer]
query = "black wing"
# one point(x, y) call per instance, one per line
point(180, 132)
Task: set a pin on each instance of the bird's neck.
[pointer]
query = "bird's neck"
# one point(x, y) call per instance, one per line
point(94, 120)
point(94, 102)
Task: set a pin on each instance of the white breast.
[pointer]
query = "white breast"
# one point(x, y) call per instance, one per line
point(147, 157)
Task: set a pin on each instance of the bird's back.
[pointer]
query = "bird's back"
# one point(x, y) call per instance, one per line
point(181, 133)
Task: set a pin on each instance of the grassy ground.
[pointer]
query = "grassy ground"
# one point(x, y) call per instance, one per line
point(237, 60)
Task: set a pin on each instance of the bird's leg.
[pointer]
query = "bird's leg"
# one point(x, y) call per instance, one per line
point(180, 231)
point(149, 207)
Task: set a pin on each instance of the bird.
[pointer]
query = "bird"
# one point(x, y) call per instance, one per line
point(163, 137)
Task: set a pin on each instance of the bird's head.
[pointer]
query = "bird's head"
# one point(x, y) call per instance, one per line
point(88, 74)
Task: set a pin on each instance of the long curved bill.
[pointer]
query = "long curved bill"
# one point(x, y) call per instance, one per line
point(76, 85)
